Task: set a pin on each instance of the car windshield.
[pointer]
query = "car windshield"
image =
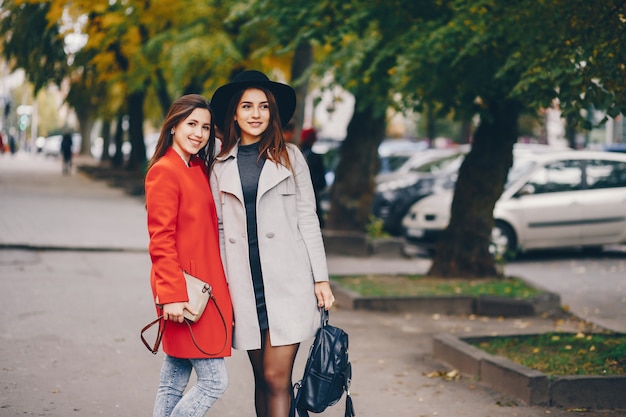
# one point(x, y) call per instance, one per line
point(392, 162)
point(520, 167)
point(448, 163)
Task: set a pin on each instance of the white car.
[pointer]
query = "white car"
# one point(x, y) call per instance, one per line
point(551, 200)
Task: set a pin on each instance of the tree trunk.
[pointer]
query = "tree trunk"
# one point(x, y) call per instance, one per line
point(302, 59)
point(431, 123)
point(85, 124)
point(570, 131)
point(353, 189)
point(85, 130)
point(466, 131)
point(463, 251)
point(106, 141)
point(137, 158)
point(118, 158)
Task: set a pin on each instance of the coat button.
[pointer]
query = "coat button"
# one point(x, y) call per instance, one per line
point(270, 235)
point(231, 240)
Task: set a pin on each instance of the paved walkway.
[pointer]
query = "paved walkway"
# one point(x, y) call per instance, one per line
point(74, 294)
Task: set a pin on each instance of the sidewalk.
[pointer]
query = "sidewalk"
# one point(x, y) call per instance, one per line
point(74, 292)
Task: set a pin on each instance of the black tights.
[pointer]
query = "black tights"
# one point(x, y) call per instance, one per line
point(272, 367)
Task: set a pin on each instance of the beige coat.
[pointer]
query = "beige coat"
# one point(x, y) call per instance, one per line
point(290, 246)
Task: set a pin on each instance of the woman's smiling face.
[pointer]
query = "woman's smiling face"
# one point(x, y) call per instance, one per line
point(192, 134)
point(252, 115)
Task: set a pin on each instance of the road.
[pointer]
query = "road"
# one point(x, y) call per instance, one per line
point(592, 286)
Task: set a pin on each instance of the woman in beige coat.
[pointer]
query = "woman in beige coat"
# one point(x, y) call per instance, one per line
point(270, 235)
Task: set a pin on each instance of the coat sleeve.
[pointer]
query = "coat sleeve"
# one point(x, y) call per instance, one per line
point(308, 222)
point(162, 201)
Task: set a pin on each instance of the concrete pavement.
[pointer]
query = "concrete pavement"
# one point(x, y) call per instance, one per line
point(74, 294)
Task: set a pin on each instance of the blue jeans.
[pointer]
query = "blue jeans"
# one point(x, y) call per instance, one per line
point(212, 380)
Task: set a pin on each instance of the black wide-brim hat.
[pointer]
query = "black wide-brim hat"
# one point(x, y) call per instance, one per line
point(285, 95)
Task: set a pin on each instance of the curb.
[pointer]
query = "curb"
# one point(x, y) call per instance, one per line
point(530, 386)
point(349, 243)
point(67, 248)
point(483, 305)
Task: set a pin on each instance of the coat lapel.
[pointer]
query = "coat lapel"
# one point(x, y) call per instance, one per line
point(229, 181)
point(271, 175)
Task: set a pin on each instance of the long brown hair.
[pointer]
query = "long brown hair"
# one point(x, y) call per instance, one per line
point(272, 143)
point(177, 113)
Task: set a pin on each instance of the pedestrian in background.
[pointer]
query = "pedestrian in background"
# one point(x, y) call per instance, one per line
point(12, 142)
point(66, 153)
point(183, 229)
point(317, 168)
point(271, 240)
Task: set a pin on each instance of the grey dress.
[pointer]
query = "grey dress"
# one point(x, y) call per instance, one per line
point(250, 167)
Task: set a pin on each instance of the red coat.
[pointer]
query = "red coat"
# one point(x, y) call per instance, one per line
point(182, 224)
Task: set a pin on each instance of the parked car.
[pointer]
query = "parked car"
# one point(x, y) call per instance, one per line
point(424, 173)
point(390, 146)
point(551, 200)
point(393, 153)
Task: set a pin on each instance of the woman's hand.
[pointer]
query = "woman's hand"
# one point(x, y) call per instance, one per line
point(324, 295)
point(174, 311)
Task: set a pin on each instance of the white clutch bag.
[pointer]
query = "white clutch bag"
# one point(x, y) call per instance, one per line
point(199, 293)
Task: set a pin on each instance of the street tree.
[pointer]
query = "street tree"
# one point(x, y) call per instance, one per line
point(495, 60)
point(33, 43)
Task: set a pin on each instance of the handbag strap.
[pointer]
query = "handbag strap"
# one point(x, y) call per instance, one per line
point(212, 297)
point(154, 349)
point(162, 323)
point(324, 317)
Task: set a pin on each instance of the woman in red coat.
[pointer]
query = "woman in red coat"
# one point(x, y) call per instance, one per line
point(183, 231)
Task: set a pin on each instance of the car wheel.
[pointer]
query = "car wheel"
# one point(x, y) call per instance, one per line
point(503, 240)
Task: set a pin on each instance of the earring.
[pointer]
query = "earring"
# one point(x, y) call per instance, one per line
point(172, 131)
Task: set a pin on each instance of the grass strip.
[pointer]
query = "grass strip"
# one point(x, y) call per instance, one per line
point(563, 353)
point(419, 285)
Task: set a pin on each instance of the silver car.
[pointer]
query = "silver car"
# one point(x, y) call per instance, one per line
point(551, 200)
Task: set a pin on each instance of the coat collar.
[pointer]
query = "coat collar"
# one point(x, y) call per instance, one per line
point(172, 155)
point(230, 182)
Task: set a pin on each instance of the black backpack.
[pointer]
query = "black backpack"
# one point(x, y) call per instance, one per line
point(327, 373)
